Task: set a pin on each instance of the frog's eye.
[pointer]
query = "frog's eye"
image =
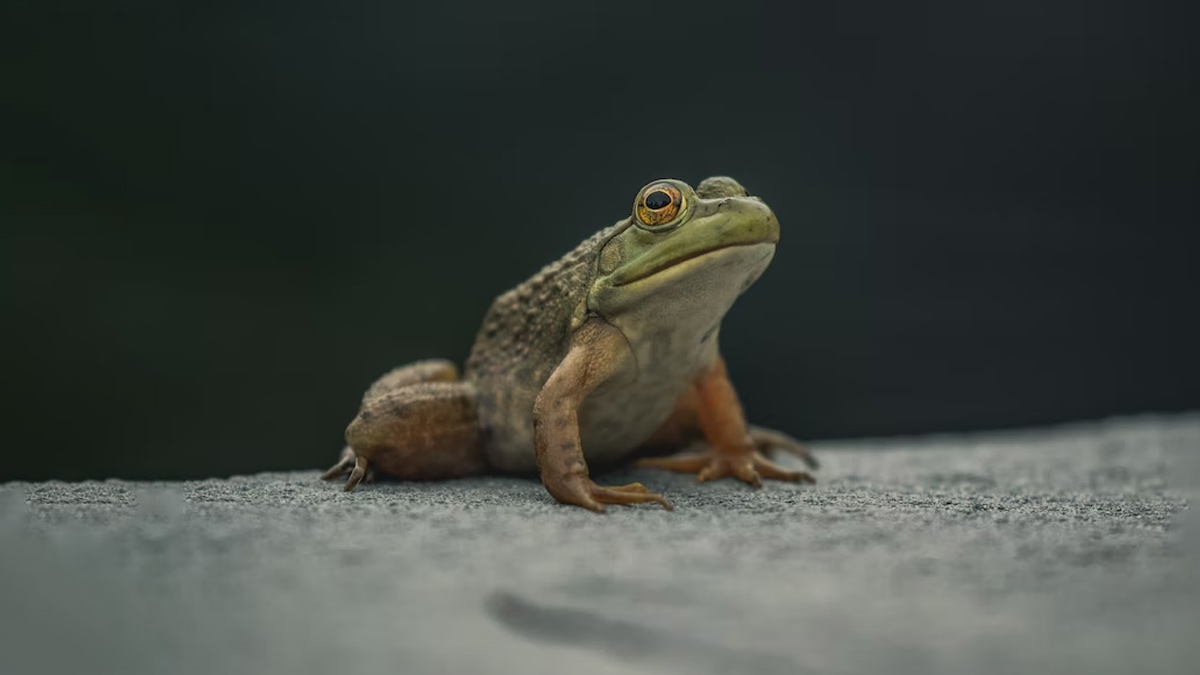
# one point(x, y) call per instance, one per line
point(659, 204)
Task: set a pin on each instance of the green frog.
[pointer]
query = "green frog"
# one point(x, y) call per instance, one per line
point(608, 353)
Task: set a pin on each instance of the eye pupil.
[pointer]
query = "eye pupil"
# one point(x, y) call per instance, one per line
point(658, 200)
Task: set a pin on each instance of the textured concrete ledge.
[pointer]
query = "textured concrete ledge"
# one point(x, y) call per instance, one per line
point(1061, 550)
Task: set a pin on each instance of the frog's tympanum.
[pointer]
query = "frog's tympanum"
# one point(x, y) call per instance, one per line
point(609, 353)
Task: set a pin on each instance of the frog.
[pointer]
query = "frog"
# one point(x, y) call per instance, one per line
point(606, 355)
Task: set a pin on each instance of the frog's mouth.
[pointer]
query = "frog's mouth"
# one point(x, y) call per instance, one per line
point(721, 226)
point(634, 273)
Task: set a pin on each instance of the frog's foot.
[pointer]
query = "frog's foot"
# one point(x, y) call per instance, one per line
point(581, 491)
point(749, 466)
point(343, 466)
point(766, 440)
point(359, 469)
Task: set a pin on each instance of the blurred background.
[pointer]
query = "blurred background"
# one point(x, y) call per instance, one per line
point(221, 222)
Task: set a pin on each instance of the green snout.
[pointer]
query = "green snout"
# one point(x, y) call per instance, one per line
point(713, 225)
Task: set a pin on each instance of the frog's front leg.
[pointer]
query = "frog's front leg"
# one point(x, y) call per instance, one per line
point(596, 354)
point(734, 449)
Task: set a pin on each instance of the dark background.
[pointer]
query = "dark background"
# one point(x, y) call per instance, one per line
point(220, 223)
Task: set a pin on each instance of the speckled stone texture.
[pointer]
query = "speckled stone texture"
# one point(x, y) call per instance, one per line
point(1069, 549)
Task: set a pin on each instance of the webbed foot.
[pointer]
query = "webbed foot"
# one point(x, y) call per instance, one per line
point(766, 440)
point(749, 466)
point(358, 468)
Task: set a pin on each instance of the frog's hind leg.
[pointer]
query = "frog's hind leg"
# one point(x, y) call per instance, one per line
point(710, 411)
point(417, 423)
point(428, 370)
point(422, 431)
point(683, 430)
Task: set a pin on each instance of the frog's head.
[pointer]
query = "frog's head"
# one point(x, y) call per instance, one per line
point(703, 246)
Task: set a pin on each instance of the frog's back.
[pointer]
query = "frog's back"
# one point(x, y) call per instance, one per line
point(525, 335)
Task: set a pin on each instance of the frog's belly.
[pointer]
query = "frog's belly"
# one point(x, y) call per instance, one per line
point(620, 415)
point(615, 422)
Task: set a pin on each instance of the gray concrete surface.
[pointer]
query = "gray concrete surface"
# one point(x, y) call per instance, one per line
point(1069, 549)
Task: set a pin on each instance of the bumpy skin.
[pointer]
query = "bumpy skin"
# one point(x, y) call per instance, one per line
point(609, 351)
point(524, 337)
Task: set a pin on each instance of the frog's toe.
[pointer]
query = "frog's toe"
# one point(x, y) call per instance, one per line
point(578, 489)
point(749, 466)
point(633, 487)
point(358, 468)
point(767, 440)
point(344, 465)
point(357, 473)
point(768, 469)
point(741, 468)
point(634, 493)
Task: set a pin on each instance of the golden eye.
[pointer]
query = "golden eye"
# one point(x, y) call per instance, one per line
point(659, 204)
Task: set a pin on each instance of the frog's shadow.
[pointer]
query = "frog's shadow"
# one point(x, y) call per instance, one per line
point(626, 640)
